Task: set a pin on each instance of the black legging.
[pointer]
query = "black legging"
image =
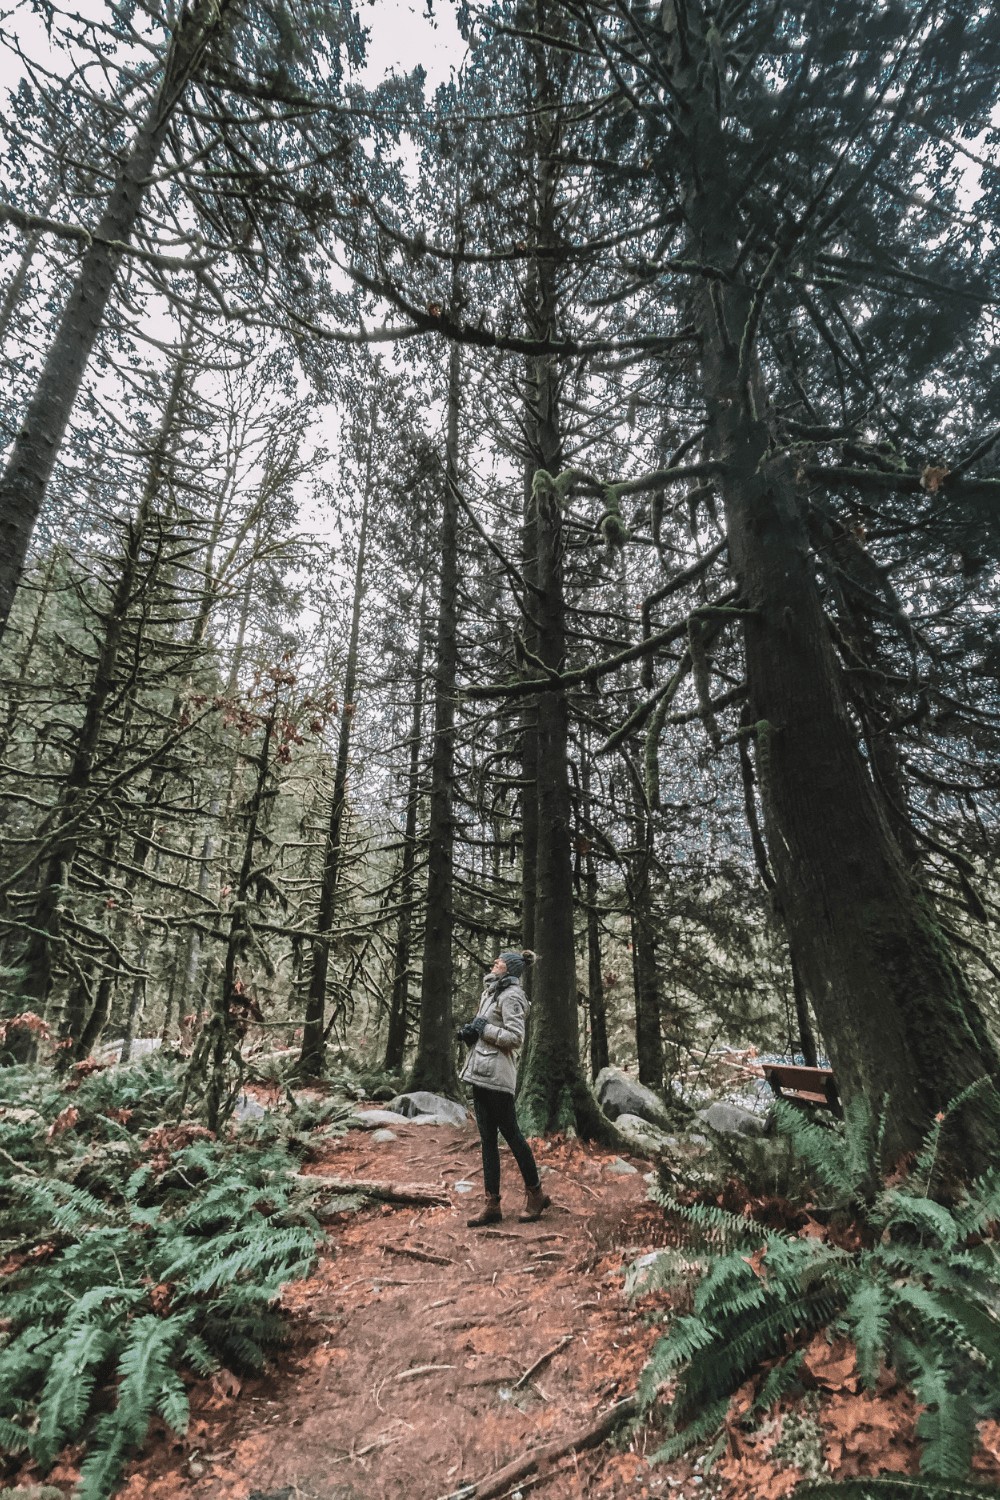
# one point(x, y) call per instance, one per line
point(495, 1112)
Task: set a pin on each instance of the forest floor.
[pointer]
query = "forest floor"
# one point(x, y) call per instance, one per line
point(402, 1379)
point(426, 1357)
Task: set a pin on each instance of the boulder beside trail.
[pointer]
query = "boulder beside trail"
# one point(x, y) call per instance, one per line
point(622, 1168)
point(421, 1102)
point(647, 1138)
point(374, 1119)
point(618, 1094)
point(732, 1119)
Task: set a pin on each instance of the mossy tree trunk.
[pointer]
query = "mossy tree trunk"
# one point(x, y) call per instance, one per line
point(893, 1004)
point(553, 1093)
point(596, 1004)
point(79, 807)
point(645, 968)
point(312, 1058)
point(395, 1044)
point(434, 1065)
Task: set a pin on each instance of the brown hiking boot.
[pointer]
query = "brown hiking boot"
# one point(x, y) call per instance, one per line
point(535, 1204)
point(490, 1215)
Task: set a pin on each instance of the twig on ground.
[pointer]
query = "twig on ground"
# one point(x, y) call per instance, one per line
point(542, 1359)
point(421, 1370)
point(436, 1260)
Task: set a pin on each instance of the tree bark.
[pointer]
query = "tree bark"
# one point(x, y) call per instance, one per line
point(553, 1094)
point(895, 1009)
point(596, 1004)
point(434, 1065)
point(312, 1059)
point(395, 1044)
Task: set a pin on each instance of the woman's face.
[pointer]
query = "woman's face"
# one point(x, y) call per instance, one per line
point(499, 968)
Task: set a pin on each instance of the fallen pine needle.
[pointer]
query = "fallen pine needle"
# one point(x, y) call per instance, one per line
point(421, 1370)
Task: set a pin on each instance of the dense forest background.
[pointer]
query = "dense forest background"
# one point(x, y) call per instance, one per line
point(541, 493)
point(557, 506)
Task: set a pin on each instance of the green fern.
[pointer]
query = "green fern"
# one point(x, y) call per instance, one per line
point(916, 1296)
point(147, 1280)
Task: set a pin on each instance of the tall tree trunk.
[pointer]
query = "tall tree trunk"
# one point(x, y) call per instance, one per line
point(395, 1044)
point(553, 1093)
point(312, 1058)
point(40, 433)
point(648, 1030)
point(894, 1006)
point(596, 1004)
point(46, 924)
point(218, 1042)
point(434, 1064)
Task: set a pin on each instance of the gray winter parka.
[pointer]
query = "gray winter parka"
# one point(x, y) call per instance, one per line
point(490, 1064)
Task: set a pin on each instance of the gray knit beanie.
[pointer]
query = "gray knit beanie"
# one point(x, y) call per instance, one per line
point(514, 962)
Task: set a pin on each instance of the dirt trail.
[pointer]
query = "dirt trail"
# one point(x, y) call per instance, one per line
point(405, 1375)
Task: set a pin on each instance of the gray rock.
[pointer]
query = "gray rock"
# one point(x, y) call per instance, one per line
point(423, 1103)
point(435, 1120)
point(381, 1136)
point(373, 1119)
point(142, 1046)
point(623, 1168)
point(732, 1119)
point(248, 1109)
point(618, 1094)
point(648, 1139)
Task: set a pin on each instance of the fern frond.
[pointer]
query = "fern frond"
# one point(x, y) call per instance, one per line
point(668, 1268)
point(931, 1220)
point(142, 1367)
point(982, 1205)
point(14, 1439)
point(172, 1403)
point(947, 1423)
point(102, 1466)
point(780, 1380)
point(703, 1427)
point(819, 1147)
point(866, 1320)
point(711, 1225)
point(65, 1397)
point(687, 1335)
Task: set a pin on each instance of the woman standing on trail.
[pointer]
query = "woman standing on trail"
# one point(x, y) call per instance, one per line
point(494, 1036)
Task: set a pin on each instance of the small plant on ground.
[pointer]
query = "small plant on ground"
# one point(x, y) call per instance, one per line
point(912, 1282)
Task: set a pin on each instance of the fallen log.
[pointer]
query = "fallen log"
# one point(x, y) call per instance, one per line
point(386, 1192)
point(588, 1437)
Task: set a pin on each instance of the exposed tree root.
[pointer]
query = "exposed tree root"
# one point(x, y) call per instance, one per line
point(589, 1437)
point(387, 1192)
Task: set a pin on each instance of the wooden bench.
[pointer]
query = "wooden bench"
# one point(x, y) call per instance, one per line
point(812, 1086)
